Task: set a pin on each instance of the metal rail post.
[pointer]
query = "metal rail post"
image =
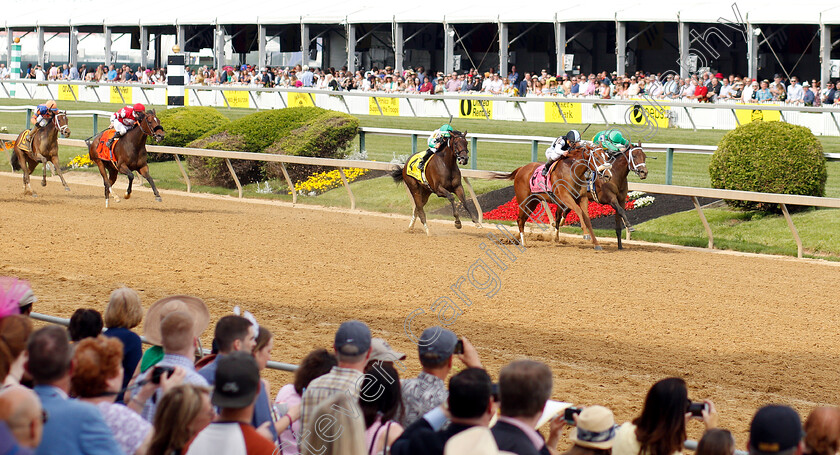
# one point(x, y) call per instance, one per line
point(413, 144)
point(474, 152)
point(534, 151)
point(235, 178)
point(183, 171)
point(349, 191)
point(28, 118)
point(669, 166)
point(793, 230)
point(362, 142)
point(703, 219)
point(96, 128)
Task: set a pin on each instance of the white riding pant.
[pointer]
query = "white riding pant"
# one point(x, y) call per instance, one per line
point(552, 153)
point(41, 121)
point(119, 127)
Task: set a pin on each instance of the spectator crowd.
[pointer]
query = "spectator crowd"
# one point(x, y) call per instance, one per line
point(80, 390)
point(703, 87)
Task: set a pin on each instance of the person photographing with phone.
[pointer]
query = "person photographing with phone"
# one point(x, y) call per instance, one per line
point(436, 348)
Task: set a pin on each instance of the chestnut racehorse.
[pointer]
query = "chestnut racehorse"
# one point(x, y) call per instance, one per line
point(44, 149)
point(614, 191)
point(568, 184)
point(130, 153)
point(444, 178)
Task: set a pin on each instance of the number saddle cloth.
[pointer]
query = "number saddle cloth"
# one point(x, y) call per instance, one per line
point(538, 183)
point(413, 170)
point(105, 153)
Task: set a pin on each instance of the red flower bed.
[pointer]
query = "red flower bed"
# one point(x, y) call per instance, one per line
point(510, 211)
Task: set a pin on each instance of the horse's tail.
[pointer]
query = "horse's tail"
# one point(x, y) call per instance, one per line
point(397, 174)
point(505, 175)
point(15, 162)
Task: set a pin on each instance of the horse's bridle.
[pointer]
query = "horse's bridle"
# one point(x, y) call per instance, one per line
point(635, 167)
point(151, 131)
point(61, 128)
point(601, 170)
point(458, 153)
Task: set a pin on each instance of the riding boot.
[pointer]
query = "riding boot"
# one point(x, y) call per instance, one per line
point(422, 164)
point(113, 138)
point(546, 168)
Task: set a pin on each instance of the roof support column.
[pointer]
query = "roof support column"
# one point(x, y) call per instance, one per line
point(304, 44)
point(351, 48)
point(220, 47)
point(9, 40)
point(107, 33)
point(397, 34)
point(263, 57)
point(144, 46)
point(74, 47)
point(448, 48)
point(503, 49)
point(684, 41)
point(40, 32)
point(179, 37)
point(620, 47)
point(752, 52)
point(559, 45)
point(825, 54)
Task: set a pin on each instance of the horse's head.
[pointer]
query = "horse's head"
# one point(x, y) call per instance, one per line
point(152, 125)
point(458, 144)
point(636, 159)
point(60, 120)
point(598, 161)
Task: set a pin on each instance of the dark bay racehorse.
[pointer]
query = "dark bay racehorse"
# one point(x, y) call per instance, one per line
point(130, 153)
point(444, 178)
point(614, 191)
point(568, 184)
point(44, 149)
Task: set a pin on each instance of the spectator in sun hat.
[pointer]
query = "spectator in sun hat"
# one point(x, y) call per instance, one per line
point(822, 431)
point(809, 96)
point(16, 297)
point(237, 386)
point(352, 350)
point(594, 432)
point(776, 429)
point(428, 390)
point(194, 306)
point(477, 440)
point(381, 351)
point(524, 388)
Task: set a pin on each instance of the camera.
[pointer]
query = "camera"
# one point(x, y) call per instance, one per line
point(569, 414)
point(696, 409)
point(494, 392)
point(459, 347)
point(157, 372)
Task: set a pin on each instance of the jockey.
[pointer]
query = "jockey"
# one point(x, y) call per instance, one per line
point(434, 142)
point(123, 120)
point(560, 148)
point(43, 113)
point(611, 140)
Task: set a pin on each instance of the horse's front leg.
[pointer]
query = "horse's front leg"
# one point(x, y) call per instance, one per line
point(459, 191)
point(43, 161)
point(130, 174)
point(54, 161)
point(451, 198)
point(144, 171)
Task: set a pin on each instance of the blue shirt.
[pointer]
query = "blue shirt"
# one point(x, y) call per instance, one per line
point(262, 408)
point(73, 427)
point(575, 88)
point(809, 97)
point(112, 75)
point(132, 352)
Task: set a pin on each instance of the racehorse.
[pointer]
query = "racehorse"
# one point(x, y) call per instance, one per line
point(130, 154)
point(44, 148)
point(614, 191)
point(443, 177)
point(567, 180)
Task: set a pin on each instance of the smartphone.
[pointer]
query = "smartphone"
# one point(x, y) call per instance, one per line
point(157, 372)
point(696, 409)
point(459, 347)
point(570, 414)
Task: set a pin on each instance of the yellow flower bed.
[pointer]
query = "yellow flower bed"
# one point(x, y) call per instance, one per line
point(81, 161)
point(323, 181)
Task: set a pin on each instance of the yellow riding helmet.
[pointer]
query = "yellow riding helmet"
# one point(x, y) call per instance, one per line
point(51, 104)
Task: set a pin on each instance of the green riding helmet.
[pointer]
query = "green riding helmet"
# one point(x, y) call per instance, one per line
point(446, 130)
point(611, 139)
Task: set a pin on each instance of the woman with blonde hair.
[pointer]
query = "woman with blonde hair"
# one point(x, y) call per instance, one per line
point(122, 314)
point(181, 414)
point(352, 438)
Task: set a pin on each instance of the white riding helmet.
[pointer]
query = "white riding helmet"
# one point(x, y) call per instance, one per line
point(573, 136)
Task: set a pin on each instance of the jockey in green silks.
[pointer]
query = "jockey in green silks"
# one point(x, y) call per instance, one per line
point(611, 140)
point(434, 143)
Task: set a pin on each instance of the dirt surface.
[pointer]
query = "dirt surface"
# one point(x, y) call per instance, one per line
point(743, 330)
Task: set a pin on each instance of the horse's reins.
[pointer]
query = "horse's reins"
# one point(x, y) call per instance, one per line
point(633, 163)
point(151, 131)
point(61, 128)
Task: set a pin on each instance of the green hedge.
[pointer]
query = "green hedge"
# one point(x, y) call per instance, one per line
point(299, 131)
point(184, 125)
point(769, 157)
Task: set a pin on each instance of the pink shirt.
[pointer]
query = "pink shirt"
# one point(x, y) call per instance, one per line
point(288, 438)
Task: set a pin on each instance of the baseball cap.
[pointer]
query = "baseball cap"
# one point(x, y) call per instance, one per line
point(237, 381)
point(775, 428)
point(436, 343)
point(383, 352)
point(352, 338)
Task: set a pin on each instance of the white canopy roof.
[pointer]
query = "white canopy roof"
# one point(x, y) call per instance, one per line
point(57, 13)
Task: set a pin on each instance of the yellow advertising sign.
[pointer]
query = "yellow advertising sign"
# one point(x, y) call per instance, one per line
point(68, 92)
point(236, 98)
point(654, 115)
point(754, 115)
point(572, 111)
point(300, 100)
point(117, 99)
point(475, 109)
point(390, 106)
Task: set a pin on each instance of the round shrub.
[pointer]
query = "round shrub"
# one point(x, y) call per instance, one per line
point(301, 131)
point(769, 157)
point(184, 125)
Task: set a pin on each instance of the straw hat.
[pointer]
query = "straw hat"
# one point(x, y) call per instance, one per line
point(383, 351)
point(595, 428)
point(194, 306)
point(473, 441)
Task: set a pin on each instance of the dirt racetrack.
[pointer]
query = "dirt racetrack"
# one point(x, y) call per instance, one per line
point(743, 330)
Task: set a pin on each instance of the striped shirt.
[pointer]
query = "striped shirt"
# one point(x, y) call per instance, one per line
point(338, 380)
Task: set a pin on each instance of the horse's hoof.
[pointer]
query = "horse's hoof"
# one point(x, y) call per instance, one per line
point(43, 183)
point(66, 188)
point(157, 198)
point(586, 237)
point(479, 226)
point(599, 248)
point(457, 225)
point(631, 229)
point(107, 203)
point(127, 196)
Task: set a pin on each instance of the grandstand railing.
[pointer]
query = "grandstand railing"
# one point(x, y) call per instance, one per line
point(65, 322)
point(773, 198)
point(558, 109)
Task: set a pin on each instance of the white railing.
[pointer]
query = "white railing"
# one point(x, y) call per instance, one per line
point(773, 198)
point(550, 109)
